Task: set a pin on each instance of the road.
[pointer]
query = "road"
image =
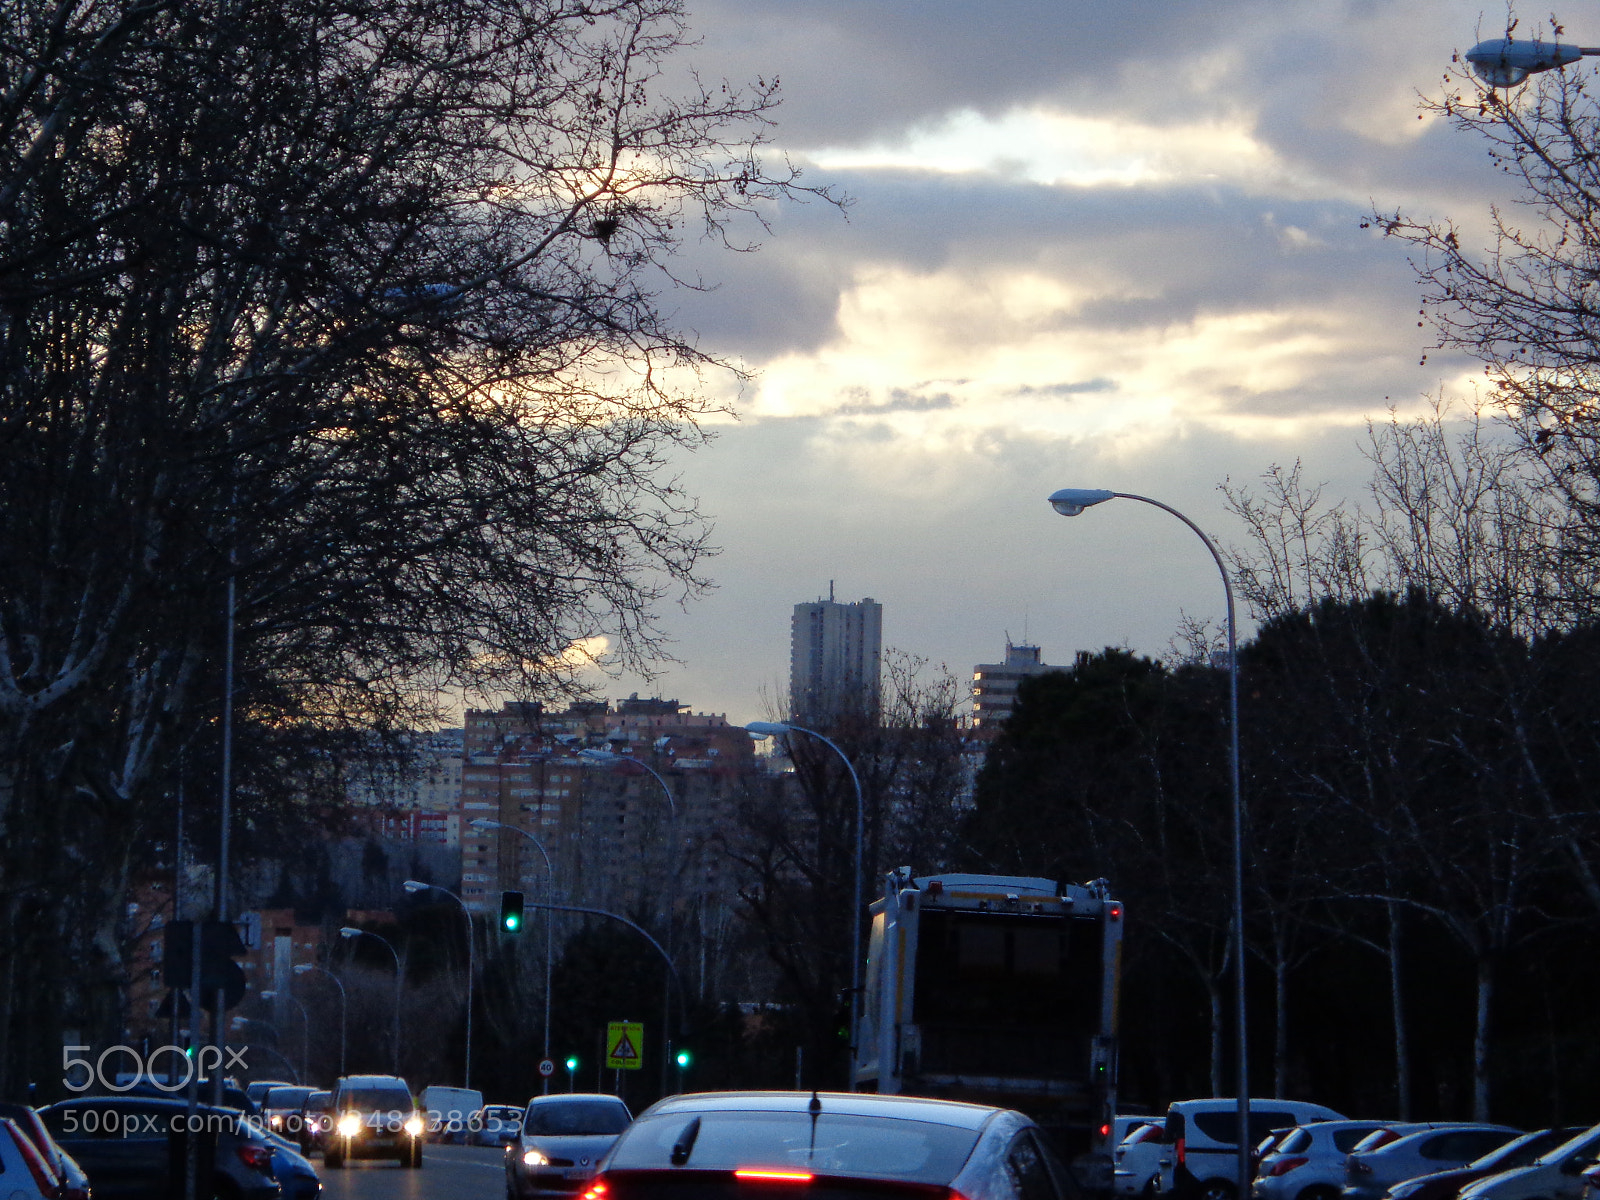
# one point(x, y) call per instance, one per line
point(448, 1173)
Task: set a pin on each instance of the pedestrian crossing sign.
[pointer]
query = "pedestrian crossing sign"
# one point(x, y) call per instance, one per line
point(625, 1045)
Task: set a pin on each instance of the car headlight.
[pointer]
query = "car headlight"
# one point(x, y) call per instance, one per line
point(414, 1125)
point(350, 1124)
point(533, 1158)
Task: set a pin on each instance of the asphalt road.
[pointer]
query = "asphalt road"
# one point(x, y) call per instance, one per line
point(448, 1173)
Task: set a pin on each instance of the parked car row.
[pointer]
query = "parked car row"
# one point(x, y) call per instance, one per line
point(1307, 1152)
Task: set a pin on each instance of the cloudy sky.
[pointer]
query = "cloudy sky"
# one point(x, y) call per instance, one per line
point(1111, 244)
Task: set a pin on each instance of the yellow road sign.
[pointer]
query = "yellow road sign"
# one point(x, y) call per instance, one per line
point(625, 1045)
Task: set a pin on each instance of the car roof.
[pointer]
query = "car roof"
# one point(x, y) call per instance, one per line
point(907, 1108)
point(562, 1097)
point(1411, 1139)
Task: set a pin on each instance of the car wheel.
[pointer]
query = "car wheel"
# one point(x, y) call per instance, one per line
point(1216, 1189)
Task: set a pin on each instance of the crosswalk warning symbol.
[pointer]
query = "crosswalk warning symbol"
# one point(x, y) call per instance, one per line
point(625, 1045)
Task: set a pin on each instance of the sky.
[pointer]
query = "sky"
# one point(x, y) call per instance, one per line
point(1110, 245)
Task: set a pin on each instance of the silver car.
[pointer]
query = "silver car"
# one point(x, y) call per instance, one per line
point(1308, 1164)
point(1368, 1174)
point(562, 1141)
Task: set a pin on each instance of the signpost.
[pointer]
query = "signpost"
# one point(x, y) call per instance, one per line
point(625, 1045)
point(546, 1068)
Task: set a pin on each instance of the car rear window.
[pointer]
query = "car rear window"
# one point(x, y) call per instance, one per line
point(1297, 1140)
point(1145, 1133)
point(575, 1118)
point(1378, 1137)
point(1346, 1140)
point(287, 1097)
point(829, 1144)
point(1464, 1145)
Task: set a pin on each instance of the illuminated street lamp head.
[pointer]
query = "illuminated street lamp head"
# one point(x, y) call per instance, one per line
point(765, 729)
point(302, 968)
point(1069, 502)
point(480, 823)
point(349, 931)
point(600, 758)
point(415, 885)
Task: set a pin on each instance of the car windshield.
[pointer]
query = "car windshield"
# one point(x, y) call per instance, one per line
point(575, 1118)
point(377, 1100)
point(829, 1144)
point(287, 1097)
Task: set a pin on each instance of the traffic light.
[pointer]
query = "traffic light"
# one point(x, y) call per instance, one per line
point(684, 1059)
point(511, 912)
point(572, 1063)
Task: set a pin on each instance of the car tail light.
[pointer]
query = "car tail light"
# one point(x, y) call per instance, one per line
point(1284, 1165)
point(1179, 1149)
point(597, 1190)
point(43, 1176)
point(773, 1175)
point(257, 1158)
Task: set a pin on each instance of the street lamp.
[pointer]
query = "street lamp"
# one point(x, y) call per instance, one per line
point(305, 1030)
point(763, 729)
point(482, 823)
point(414, 886)
point(344, 1005)
point(1070, 502)
point(1506, 62)
point(350, 931)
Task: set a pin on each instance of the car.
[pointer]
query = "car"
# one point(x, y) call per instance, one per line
point(1555, 1175)
point(24, 1172)
point(845, 1146)
point(122, 1144)
point(280, 1108)
point(74, 1183)
point(258, 1090)
point(562, 1141)
point(1369, 1173)
point(316, 1119)
point(1137, 1160)
point(496, 1125)
point(1518, 1152)
point(297, 1178)
point(451, 1112)
point(1308, 1163)
point(1202, 1136)
point(374, 1117)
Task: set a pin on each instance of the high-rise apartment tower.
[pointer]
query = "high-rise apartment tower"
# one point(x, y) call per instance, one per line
point(835, 653)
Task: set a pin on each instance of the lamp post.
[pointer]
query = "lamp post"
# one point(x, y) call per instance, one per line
point(414, 886)
point(305, 1030)
point(350, 931)
point(344, 1005)
point(762, 729)
point(549, 894)
point(1070, 502)
point(1507, 62)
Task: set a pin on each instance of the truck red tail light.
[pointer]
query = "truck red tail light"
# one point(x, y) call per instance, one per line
point(1178, 1148)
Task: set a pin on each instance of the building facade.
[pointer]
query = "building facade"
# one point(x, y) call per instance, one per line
point(994, 685)
point(835, 659)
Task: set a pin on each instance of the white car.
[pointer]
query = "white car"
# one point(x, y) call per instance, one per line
point(1369, 1173)
point(1138, 1160)
point(1202, 1136)
point(1308, 1164)
point(1556, 1176)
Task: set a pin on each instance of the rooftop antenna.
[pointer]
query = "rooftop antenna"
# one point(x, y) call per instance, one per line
point(830, 591)
point(1025, 640)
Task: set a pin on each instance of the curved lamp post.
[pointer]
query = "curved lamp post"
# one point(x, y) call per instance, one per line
point(483, 823)
point(1070, 502)
point(305, 1029)
point(1507, 62)
point(344, 1005)
point(763, 729)
point(350, 931)
point(414, 886)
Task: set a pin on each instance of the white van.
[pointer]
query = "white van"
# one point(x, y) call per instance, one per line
point(1202, 1135)
point(451, 1112)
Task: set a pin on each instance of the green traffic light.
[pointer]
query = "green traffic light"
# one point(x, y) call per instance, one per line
point(572, 1064)
point(683, 1058)
point(511, 922)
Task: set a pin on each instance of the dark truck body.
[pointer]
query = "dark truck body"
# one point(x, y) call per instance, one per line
point(998, 990)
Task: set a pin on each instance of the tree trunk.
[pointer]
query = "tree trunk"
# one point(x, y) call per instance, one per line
point(1480, 1040)
point(1280, 1041)
point(1402, 1045)
point(1214, 994)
